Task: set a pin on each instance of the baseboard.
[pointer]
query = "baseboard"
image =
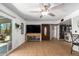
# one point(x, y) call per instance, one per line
point(54, 38)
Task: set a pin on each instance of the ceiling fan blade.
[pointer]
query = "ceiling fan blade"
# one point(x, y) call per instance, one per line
point(51, 14)
point(35, 11)
point(41, 16)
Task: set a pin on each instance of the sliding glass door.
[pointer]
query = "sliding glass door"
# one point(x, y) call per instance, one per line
point(5, 36)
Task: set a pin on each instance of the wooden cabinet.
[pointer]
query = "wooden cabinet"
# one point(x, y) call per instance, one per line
point(33, 36)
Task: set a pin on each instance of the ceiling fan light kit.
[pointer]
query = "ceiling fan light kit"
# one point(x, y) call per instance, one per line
point(44, 13)
point(45, 10)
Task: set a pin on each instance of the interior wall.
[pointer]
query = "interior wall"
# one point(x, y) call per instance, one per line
point(54, 31)
point(75, 25)
point(75, 30)
point(17, 37)
point(72, 15)
point(57, 33)
point(42, 22)
point(51, 32)
point(74, 22)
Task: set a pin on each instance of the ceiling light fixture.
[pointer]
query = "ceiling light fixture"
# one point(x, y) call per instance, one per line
point(44, 13)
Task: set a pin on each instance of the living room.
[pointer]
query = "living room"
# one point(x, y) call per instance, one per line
point(39, 23)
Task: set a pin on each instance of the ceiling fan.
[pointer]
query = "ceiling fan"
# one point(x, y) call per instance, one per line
point(44, 10)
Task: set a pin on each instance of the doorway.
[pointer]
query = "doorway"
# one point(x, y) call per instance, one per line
point(62, 31)
point(5, 35)
point(45, 32)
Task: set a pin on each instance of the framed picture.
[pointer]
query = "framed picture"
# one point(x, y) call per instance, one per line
point(22, 28)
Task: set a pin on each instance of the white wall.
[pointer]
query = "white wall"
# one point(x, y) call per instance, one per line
point(42, 22)
point(17, 37)
point(51, 31)
point(74, 21)
point(72, 15)
point(57, 32)
point(54, 31)
point(75, 24)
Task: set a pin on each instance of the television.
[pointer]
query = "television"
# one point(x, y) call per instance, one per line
point(33, 28)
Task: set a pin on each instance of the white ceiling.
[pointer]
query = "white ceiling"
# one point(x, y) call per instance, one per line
point(59, 9)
